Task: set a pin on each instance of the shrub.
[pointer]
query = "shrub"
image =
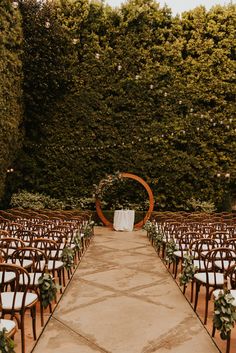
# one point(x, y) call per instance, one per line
point(34, 201)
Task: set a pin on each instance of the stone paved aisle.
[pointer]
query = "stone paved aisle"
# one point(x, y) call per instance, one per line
point(122, 300)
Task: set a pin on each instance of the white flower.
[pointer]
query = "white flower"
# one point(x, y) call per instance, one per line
point(15, 4)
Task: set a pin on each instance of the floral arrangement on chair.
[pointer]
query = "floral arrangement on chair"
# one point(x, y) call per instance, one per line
point(224, 314)
point(6, 344)
point(188, 270)
point(87, 229)
point(68, 258)
point(48, 289)
point(171, 247)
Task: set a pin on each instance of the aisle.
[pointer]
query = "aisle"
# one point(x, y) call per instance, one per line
point(122, 300)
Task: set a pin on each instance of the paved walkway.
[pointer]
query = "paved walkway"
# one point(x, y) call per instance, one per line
point(122, 300)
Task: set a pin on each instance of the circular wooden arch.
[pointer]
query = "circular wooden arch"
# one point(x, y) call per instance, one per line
point(151, 202)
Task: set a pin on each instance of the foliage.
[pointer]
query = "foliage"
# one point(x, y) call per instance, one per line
point(77, 241)
point(188, 270)
point(158, 240)
point(10, 90)
point(106, 183)
point(87, 229)
point(83, 203)
point(6, 344)
point(171, 247)
point(202, 206)
point(130, 89)
point(224, 313)
point(34, 201)
point(148, 226)
point(37, 201)
point(68, 258)
point(47, 288)
point(154, 234)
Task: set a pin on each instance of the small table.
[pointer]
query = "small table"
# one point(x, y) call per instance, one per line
point(123, 220)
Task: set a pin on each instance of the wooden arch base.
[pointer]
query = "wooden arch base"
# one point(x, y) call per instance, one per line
point(107, 223)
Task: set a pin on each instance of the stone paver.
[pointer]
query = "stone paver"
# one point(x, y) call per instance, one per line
point(123, 300)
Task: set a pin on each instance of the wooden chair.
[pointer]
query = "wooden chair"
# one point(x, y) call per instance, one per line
point(16, 301)
point(39, 263)
point(211, 278)
point(230, 282)
point(8, 325)
point(53, 253)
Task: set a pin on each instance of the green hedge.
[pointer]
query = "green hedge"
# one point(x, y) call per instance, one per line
point(130, 89)
point(10, 89)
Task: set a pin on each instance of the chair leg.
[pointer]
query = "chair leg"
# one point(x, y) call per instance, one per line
point(41, 314)
point(206, 305)
point(213, 331)
point(22, 330)
point(192, 288)
point(59, 279)
point(228, 343)
point(196, 295)
point(62, 272)
point(176, 264)
point(163, 250)
point(213, 327)
point(33, 315)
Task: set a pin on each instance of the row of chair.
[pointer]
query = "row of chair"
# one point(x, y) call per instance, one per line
point(32, 244)
point(209, 245)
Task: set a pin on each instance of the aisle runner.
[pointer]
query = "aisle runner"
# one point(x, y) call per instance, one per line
point(122, 300)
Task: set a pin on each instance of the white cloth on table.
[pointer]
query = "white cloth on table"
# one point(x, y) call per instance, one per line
point(123, 220)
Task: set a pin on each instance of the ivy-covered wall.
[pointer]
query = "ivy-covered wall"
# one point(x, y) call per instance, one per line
point(130, 89)
point(10, 88)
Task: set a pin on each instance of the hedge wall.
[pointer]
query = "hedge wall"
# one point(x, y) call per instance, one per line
point(10, 88)
point(130, 89)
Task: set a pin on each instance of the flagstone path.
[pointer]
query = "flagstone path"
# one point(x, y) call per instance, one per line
point(123, 300)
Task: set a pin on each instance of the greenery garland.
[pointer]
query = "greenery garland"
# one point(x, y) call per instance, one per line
point(224, 313)
point(47, 288)
point(154, 235)
point(188, 270)
point(150, 228)
point(6, 344)
point(171, 247)
point(158, 240)
point(68, 258)
point(87, 229)
point(105, 183)
point(77, 241)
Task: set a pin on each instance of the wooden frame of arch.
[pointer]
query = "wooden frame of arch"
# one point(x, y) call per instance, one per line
point(151, 202)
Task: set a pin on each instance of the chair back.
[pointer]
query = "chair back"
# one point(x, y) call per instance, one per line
point(10, 244)
point(219, 259)
point(18, 292)
point(36, 256)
